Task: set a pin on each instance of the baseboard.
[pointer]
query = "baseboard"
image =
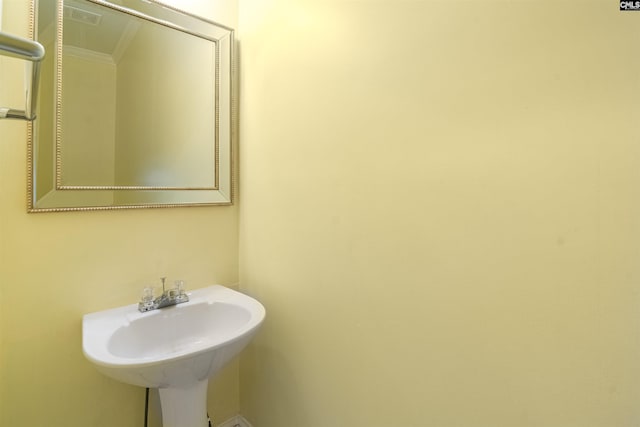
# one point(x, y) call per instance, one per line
point(237, 421)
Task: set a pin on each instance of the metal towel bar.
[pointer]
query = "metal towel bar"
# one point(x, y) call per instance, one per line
point(29, 50)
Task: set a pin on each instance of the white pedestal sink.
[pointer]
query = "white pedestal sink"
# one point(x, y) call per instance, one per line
point(175, 349)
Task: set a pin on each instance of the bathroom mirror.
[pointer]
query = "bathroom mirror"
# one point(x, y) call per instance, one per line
point(136, 107)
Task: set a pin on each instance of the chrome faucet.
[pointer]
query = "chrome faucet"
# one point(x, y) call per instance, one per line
point(169, 297)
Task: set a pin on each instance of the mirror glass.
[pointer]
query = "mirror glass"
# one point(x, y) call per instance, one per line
point(135, 107)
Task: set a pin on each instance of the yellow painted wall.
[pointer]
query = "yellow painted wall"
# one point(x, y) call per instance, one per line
point(440, 209)
point(56, 267)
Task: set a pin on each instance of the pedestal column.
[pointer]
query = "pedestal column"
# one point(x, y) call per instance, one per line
point(184, 407)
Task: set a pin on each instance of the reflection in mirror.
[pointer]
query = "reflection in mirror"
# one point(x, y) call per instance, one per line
point(136, 107)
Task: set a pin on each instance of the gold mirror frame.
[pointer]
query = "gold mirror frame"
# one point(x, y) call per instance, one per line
point(63, 197)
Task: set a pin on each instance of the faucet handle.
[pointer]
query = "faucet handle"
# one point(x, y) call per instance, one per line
point(146, 302)
point(147, 294)
point(179, 286)
point(180, 294)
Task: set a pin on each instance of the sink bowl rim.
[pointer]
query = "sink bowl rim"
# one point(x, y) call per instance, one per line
point(99, 327)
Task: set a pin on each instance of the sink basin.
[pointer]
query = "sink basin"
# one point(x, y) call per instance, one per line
point(175, 349)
